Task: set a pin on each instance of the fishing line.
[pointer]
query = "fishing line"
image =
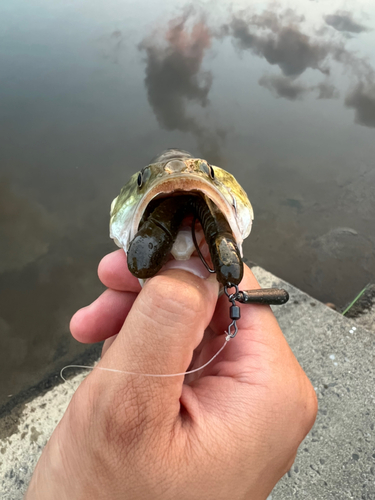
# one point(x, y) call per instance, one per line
point(155, 375)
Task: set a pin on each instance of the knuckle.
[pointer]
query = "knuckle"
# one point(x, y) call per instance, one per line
point(311, 406)
point(308, 405)
point(297, 396)
point(289, 463)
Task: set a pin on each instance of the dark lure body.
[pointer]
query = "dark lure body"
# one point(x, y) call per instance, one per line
point(151, 246)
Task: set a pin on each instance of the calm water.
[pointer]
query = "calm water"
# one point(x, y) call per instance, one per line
point(91, 90)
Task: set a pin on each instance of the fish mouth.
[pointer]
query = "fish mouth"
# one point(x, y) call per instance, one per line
point(183, 184)
point(184, 246)
point(168, 230)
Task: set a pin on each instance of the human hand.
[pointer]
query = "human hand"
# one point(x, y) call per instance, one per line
point(230, 431)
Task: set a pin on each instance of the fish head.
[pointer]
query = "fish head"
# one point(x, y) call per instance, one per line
point(177, 172)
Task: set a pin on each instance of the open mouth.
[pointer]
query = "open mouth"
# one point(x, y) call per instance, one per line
point(178, 226)
point(183, 184)
point(184, 246)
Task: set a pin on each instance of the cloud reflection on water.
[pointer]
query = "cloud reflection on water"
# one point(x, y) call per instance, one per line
point(76, 127)
point(174, 77)
point(362, 99)
point(281, 86)
point(288, 88)
point(282, 39)
point(327, 91)
point(344, 21)
point(284, 44)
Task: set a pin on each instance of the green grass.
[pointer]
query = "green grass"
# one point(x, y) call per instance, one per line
point(355, 300)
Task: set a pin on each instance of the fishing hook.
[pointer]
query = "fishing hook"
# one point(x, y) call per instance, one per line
point(197, 246)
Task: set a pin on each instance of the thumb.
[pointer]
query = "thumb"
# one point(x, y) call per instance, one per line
point(164, 326)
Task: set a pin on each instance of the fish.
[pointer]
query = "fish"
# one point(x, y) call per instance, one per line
point(154, 217)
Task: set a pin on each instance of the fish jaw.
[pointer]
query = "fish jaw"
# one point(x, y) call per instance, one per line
point(124, 228)
point(180, 175)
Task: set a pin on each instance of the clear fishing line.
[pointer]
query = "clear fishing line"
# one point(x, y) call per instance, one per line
point(155, 375)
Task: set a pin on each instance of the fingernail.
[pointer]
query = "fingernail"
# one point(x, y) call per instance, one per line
point(194, 265)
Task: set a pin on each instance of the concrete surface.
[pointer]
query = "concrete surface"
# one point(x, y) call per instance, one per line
point(364, 311)
point(367, 320)
point(337, 458)
point(24, 433)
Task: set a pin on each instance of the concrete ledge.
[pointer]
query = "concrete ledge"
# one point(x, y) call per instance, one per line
point(337, 458)
point(29, 427)
point(363, 310)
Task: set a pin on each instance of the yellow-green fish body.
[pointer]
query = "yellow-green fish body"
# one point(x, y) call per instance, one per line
point(177, 172)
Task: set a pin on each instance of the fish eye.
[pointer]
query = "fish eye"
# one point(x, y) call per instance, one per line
point(140, 179)
point(208, 169)
point(143, 176)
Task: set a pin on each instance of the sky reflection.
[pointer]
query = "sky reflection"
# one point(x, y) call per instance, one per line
point(282, 97)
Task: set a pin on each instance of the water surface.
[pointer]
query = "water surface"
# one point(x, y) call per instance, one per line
point(283, 98)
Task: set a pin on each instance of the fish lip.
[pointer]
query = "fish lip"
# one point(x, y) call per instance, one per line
point(189, 182)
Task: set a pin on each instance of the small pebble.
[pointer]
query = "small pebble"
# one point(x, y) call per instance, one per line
point(332, 356)
point(331, 306)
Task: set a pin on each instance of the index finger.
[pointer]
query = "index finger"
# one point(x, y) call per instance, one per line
point(113, 272)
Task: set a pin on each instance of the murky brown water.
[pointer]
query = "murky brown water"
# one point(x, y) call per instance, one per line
point(91, 90)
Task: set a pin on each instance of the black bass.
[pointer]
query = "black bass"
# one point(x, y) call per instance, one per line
point(151, 218)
